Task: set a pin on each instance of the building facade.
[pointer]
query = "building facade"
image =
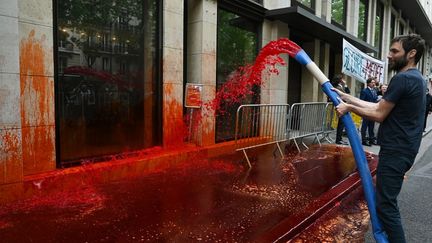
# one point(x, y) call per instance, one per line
point(85, 80)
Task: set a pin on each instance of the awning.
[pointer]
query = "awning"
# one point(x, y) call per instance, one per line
point(414, 12)
point(302, 20)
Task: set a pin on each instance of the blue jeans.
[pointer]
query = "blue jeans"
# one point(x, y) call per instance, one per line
point(390, 175)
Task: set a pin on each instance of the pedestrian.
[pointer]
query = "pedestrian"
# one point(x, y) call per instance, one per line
point(401, 114)
point(369, 94)
point(428, 108)
point(339, 83)
point(381, 91)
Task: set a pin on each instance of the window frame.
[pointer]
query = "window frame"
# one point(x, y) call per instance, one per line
point(344, 19)
point(366, 20)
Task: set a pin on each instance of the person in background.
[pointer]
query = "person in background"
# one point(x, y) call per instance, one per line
point(428, 108)
point(369, 94)
point(401, 114)
point(339, 83)
point(381, 91)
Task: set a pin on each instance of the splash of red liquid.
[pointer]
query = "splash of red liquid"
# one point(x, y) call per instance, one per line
point(240, 84)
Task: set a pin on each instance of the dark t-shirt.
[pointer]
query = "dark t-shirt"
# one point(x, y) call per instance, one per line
point(403, 127)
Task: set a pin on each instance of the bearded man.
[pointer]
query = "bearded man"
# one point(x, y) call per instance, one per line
point(401, 114)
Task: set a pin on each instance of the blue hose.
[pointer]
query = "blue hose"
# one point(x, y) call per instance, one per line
point(359, 154)
point(362, 165)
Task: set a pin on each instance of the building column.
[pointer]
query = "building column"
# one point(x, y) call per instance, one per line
point(275, 4)
point(11, 169)
point(324, 65)
point(310, 86)
point(36, 69)
point(326, 10)
point(275, 89)
point(201, 63)
point(352, 17)
point(172, 72)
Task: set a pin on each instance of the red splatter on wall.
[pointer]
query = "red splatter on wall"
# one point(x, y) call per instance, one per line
point(37, 106)
point(10, 157)
point(174, 128)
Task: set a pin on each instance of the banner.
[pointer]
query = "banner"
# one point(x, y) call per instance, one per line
point(359, 65)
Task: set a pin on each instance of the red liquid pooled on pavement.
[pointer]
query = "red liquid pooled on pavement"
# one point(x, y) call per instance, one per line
point(197, 200)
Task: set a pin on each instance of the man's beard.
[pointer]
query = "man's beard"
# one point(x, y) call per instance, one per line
point(398, 64)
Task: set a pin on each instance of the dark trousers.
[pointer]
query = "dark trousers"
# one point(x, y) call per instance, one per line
point(339, 130)
point(390, 175)
point(367, 125)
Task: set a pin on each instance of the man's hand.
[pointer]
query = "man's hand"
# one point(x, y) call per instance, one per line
point(340, 93)
point(342, 108)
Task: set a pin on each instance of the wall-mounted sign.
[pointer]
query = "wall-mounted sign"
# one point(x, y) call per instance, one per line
point(193, 95)
point(359, 65)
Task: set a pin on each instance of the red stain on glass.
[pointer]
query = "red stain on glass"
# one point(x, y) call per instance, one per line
point(105, 76)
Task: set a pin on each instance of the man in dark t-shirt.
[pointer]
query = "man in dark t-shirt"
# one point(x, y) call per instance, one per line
point(401, 114)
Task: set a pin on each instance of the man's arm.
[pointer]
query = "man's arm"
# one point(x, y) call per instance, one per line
point(372, 111)
point(353, 100)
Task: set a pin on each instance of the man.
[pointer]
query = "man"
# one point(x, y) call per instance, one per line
point(401, 114)
point(339, 83)
point(369, 94)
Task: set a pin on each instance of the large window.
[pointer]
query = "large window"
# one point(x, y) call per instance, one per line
point(363, 14)
point(237, 45)
point(339, 10)
point(401, 28)
point(107, 77)
point(392, 26)
point(379, 18)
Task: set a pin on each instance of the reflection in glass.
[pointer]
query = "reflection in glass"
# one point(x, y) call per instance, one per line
point(379, 25)
point(237, 45)
point(107, 81)
point(338, 11)
point(362, 25)
point(307, 3)
point(392, 26)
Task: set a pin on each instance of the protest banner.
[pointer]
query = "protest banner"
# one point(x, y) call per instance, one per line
point(359, 65)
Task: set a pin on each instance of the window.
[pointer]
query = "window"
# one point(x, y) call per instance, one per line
point(237, 45)
point(307, 4)
point(108, 86)
point(106, 64)
point(339, 13)
point(401, 28)
point(379, 18)
point(363, 14)
point(392, 26)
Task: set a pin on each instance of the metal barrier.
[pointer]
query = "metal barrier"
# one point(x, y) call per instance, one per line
point(264, 124)
point(259, 125)
point(328, 122)
point(306, 119)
